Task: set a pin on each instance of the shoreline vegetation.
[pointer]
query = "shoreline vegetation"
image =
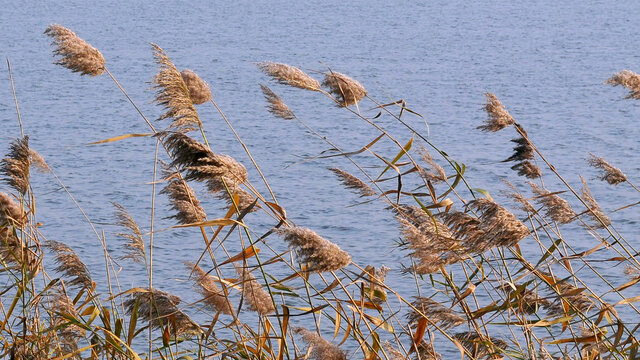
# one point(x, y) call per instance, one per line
point(475, 293)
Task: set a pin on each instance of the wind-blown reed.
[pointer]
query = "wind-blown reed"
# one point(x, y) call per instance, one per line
point(199, 90)
point(319, 253)
point(75, 54)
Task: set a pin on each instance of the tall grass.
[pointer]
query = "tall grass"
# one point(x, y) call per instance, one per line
point(474, 293)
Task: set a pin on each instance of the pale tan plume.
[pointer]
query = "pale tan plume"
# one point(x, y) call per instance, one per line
point(276, 106)
point(321, 349)
point(74, 53)
point(610, 173)
point(346, 90)
point(498, 117)
point(70, 265)
point(199, 90)
point(252, 292)
point(213, 296)
point(628, 79)
point(319, 253)
point(352, 182)
point(289, 75)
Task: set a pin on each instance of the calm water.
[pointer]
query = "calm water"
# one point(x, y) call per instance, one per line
point(545, 60)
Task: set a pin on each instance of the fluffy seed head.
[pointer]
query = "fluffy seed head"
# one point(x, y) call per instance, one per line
point(567, 299)
point(628, 79)
point(501, 227)
point(163, 308)
point(322, 349)
point(70, 265)
point(353, 182)
point(435, 173)
point(213, 296)
point(172, 93)
point(276, 106)
point(134, 246)
point(62, 308)
point(16, 254)
point(245, 199)
point(198, 89)
point(434, 312)
point(38, 161)
point(15, 167)
point(289, 75)
point(75, 53)
point(611, 174)
point(183, 199)
point(347, 90)
point(479, 346)
point(556, 207)
point(252, 292)
point(11, 213)
point(498, 117)
point(321, 254)
point(527, 169)
point(600, 220)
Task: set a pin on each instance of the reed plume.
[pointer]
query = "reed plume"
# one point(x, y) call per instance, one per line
point(68, 333)
point(289, 75)
point(628, 79)
point(522, 202)
point(15, 167)
point(479, 346)
point(320, 348)
point(498, 117)
point(556, 207)
point(38, 161)
point(434, 312)
point(15, 254)
point(320, 254)
point(199, 90)
point(276, 106)
point(632, 272)
point(163, 308)
point(213, 296)
point(527, 300)
point(74, 53)
point(501, 227)
point(393, 353)
point(70, 265)
point(346, 90)
point(426, 351)
point(11, 213)
point(184, 201)
point(353, 182)
point(468, 230)
point(527, 169)
point(568, 299)
point(252, 292)
point(611, 174)
point(600, 219)
point(172, 93)
point(522, 154)
point(435, 173)
point(134, 245)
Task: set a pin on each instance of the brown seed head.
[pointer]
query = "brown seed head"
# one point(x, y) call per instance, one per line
point(435, 173)
point(322, 349)
point(628, 79)
point(11, 213)
point(134, 246)
point(38, 161)
point(213, 296)
point(75, 53)
point(434, 312)
point(527, 169)
point(289, 75)
point(70, 265)
point(16, 254)
point(15, 167)
point(321, 254)
point(62, 308)
point(595, 212)
point(479, 346)
point(501, 227)
point(276, 106)
point(198, 89)
point(252, 292)
point(347, 90)
point(183, 200)
point(611, 174)
point(163, 308)
point(172, 93)
point(245, 199)
point(556, 207)
point(567, 297)
point(498, 117)
point(353, 182)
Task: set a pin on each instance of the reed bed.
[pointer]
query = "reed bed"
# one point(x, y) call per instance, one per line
point(474, 292)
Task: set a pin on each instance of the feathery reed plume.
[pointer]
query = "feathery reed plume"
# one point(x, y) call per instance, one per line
point(478, 346)
point(518, 198)
point(426, 351)
point(276, 106)
point(321, 254)
point(13, 251)
point(435, 173)
point(353, 182)
point(321, 348)
point(198, 89)
point(172, 93)
point(600, 219)
point(501, 227)
point(201, 164)
point(434, 312)
point(75, 54)
point(245, 199)
point(527, 169)
point(466, 229)
point(134, 246)
point(258, 299)
point(612, 175)
point(523, 153)
point(628, 79)
point(11, 213)
point(289, 75)
point(183, 200)
point(556, 207)
point(347, 90)
point(213, 296)
point(62, 308)
point(632, 272)
point(568, 299)
point(498, 117)
point(15, 167)
point(163, 308)
point(393, 353)
point(38, 161)
point(70, 265)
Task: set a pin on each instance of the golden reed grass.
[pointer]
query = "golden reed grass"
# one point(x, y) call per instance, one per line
point(352, 182)
point(276, 106)
point(252, 292)
point(498, 117)
point(319, 253)
point(434, 313)
point(347, 90)
point(610, 173)
point(134, 244)
point(554, 206)
point(199, 90)
point(319, 348)
point(75, 54)
point(628, 79)
point(160, 309)
point(289, 75)
point(213, 296)
point(70, 265)
point(16, 165)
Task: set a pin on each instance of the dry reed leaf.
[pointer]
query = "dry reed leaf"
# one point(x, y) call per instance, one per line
point(199, 90)
point(611, 174)
point(320, 254)
point(118, 138)
point(75, 54)
point(289, 75)
point(353, 182)
point(346, 90)
point(276, 106)
point(628, 79)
